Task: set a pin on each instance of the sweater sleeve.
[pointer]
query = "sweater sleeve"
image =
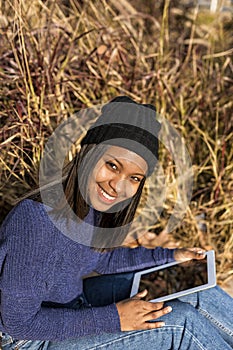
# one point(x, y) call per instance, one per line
point(29, 267)
point(128, 259)
point(24, 318)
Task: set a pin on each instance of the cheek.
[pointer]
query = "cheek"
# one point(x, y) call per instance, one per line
point(132, 190)
point(101, 174)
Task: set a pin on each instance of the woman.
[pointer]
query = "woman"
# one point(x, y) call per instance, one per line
point(46, 252)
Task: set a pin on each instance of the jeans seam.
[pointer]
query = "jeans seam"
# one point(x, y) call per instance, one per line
point(19, 344)
point(190, 333)
point(215, 322)
point(178, 328)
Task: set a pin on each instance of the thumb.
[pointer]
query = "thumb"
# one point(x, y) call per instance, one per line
point(140, 295)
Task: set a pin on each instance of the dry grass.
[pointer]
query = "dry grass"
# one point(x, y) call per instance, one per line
point(60, 56)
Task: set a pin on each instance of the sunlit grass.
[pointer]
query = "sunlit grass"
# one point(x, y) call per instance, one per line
point(60, 56)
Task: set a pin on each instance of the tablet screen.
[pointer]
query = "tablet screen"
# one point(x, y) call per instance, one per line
point(174, 279)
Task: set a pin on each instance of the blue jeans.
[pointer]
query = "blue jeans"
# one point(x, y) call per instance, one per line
point(199, 321)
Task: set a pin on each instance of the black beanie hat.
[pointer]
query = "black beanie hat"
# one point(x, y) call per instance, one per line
point(126, 123)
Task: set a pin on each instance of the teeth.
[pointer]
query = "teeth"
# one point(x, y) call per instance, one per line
point(107, 195)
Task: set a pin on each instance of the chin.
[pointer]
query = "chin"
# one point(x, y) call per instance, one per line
point(110, 208)
point(101, 206)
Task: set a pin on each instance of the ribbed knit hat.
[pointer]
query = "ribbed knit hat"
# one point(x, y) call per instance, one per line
point(126, 123)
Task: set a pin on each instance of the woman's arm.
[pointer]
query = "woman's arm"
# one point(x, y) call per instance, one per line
point(23, 318)
point(34, 271)
point(127, 259)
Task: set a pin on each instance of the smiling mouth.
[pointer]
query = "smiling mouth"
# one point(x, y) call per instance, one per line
point(105, 196)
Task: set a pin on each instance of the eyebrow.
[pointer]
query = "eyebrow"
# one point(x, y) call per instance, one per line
point(108, 154)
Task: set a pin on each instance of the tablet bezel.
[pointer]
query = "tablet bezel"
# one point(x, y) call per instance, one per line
point(211, 272)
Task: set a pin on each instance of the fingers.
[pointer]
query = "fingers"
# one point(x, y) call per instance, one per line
point(147, 306)
point(153, 325)
point(159, 313)
point(140, 295)
point(135, 314)
point(199, 253)
point(184, 254)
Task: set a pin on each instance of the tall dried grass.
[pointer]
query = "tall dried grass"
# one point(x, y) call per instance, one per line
point(60, 56)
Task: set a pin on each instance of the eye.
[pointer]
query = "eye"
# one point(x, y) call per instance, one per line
point(136, 179)
point(111, 165)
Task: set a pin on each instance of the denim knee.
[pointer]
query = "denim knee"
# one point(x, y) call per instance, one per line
point(183, 314)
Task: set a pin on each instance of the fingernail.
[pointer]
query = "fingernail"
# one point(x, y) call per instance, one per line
point(169, 308)
point(150, 235)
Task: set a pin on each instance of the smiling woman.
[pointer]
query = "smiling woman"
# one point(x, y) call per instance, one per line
point(45, 295)
point(108, 174)
point(116, 178)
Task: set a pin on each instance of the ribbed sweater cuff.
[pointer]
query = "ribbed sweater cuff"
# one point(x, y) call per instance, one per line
point(163, 255)
point(108, 321)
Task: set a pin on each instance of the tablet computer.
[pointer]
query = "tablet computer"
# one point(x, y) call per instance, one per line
point(173, 280)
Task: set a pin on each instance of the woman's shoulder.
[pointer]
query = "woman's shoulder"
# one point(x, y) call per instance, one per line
point(27, 215)
point(26, 209)
point(29, 204)
point(31, 221)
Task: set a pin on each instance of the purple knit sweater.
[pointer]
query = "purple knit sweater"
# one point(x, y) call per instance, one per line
point(38, 263)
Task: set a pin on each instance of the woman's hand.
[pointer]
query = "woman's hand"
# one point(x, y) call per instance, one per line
point(183, 254)
point(135, 313)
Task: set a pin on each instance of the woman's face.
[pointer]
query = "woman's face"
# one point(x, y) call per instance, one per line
point(115, 178)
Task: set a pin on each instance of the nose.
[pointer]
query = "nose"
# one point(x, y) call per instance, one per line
point(121, 186)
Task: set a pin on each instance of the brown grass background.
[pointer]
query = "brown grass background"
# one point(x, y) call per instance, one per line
point(58, 56)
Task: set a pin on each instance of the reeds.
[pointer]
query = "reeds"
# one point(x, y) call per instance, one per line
point(60, 56)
